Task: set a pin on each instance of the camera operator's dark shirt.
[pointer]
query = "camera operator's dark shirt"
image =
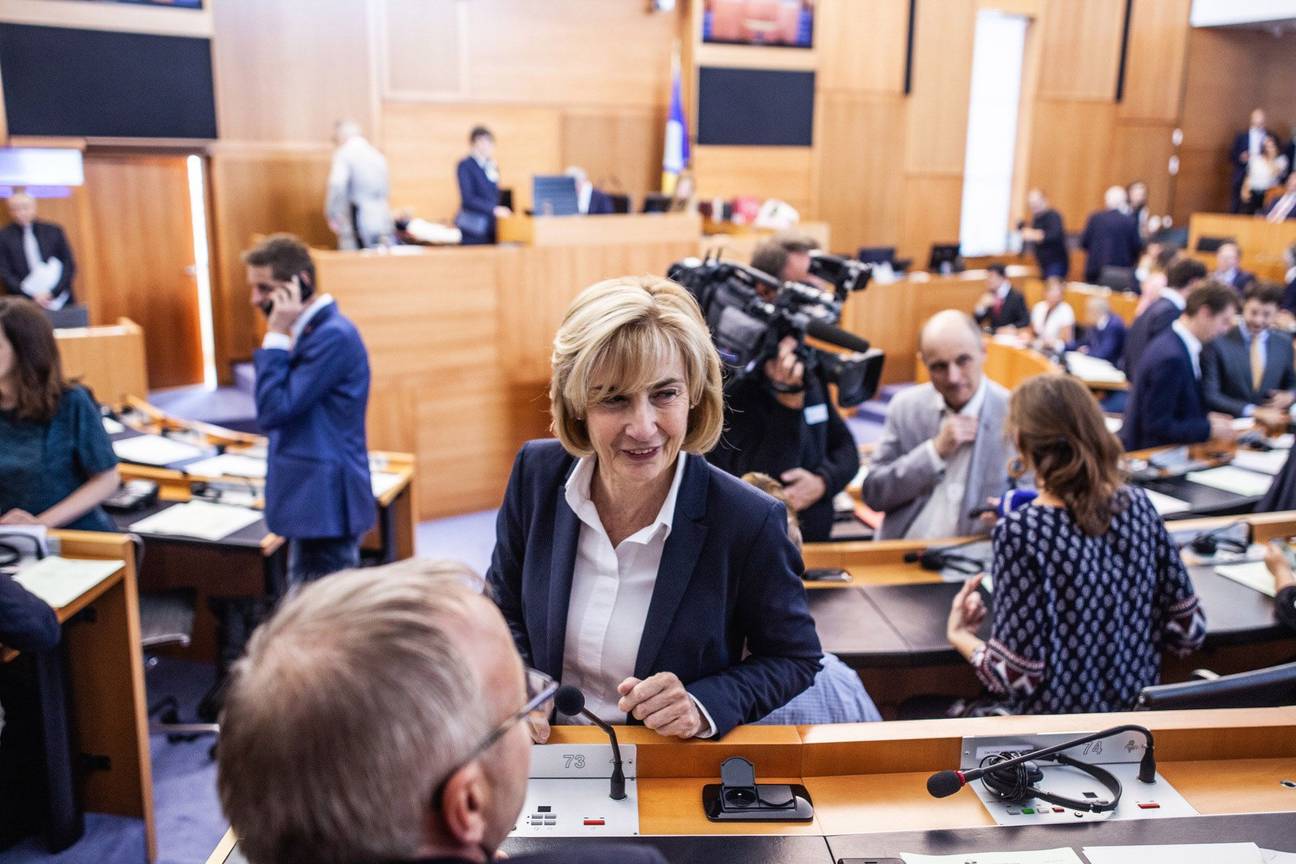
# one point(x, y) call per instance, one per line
point(763, 435)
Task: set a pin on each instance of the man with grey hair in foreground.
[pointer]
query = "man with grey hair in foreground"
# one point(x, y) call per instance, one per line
point(377, 718)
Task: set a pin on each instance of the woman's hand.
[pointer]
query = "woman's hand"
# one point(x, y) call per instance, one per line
point(18, 517)
point(1279, 566)
point(966, 612)
point(662, 703)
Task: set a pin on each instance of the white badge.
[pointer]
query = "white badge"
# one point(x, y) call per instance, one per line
point(815, 414)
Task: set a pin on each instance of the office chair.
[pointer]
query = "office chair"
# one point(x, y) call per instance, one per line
point(1117, 278)
point(1261, 688)
point(167, 618)
point(1206, 243)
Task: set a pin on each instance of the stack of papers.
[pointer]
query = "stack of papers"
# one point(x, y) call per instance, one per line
point(1204, 853)
point(60, 581)
point(1252, 574)
point(1093, 369)
point(1043, 856)
point(1226, 478)
point(1166, 505)
point(382, 481)
point(155, 450)
point(201, 519)
point(112, 427)
point(1263, 461)
point(228, 465)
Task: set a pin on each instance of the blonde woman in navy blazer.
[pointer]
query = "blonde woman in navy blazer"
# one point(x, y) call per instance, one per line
point(625, 564)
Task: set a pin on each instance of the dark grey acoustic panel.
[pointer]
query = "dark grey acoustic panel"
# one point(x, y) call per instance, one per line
point(755, 107)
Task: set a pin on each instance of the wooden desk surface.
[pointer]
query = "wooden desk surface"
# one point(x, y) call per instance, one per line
point(109, 360)
point(600, 229)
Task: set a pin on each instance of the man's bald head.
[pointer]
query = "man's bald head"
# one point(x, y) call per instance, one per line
point(22, 208)
point(950, 345)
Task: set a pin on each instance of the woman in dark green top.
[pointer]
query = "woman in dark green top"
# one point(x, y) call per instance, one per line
point(56, 462)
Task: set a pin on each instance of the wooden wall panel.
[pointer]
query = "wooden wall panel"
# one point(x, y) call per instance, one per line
point(1081, 49)
point(930, 214)
point(861, 141)
point(936, 123)
point(258, 191)
point(767, 172)
point(1071, 143)
point(621, 150)
point(288, 70)
point(425, 141)
point(422, 48)
point(1142, 151)
point(861, 49)
point(1154, 73)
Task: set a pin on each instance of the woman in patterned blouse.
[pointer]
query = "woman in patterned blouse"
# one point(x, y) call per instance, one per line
point(1089, 589)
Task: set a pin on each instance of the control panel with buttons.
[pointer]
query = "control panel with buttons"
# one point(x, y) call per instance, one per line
point(567, 795)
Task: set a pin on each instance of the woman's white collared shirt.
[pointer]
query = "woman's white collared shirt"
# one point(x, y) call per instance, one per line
point(610, 594)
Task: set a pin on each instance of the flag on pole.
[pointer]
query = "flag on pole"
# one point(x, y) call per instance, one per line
point(675, 155)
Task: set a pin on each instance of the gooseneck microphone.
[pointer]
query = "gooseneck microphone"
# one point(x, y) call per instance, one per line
point(570, 700)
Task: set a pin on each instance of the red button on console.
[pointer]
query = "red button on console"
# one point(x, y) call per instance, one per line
point(595, 822)
point(1149, 805)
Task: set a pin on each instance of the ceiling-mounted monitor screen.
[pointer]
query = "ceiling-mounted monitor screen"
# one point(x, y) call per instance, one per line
point(106, 84)
point(783, 23)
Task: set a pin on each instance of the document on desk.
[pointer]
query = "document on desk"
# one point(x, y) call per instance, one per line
point(201, 519)
point(1229, 479)
point(1203, 853)
point(1093, 369)
point(1262, 461)
point(112, 427)
point(1252, 574)
point(59, 581)
point(155, 450)
point(1043, 856)
point(382, 481)
point(228, 465)
point(1166, 505)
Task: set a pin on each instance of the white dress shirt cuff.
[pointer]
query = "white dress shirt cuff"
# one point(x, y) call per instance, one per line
point(1248, 411)
point(938, 464)
point(710, 729)
point(277, 341)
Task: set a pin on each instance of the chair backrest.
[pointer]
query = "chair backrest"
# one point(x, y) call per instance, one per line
point(1206, 243)
point(620, 203)
point(68, 316)
point(1262, 688)
point(877, 254)
point(1117, 278)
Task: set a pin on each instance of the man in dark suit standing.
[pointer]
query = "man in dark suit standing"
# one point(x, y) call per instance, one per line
point(478, 176)
point(312, 388)
point(1105, 337)
point(35, 258)
point(1048, 236)
point(1248, 371)
point(1182, 276)
point(1001, 305)
point(1110, 237)
point(1228, 268)
point(1166, 405)
point(1246, 146)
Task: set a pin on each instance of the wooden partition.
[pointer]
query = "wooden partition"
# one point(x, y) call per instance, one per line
point(1262, 243)
point(108, 360)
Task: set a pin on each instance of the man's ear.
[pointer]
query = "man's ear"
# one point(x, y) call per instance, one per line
point(463, 806)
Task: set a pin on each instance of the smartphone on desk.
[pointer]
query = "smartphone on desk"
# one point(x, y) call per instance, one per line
point(826, 574)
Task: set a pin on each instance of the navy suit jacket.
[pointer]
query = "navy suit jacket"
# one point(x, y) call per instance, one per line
point(600, 203)
point(52, 243)
point(311, 403)
point(1108, 343)
point(729, 583)
point(1112, 240)
point(1240, 281)
point(1226, 371)
point(27, 622)
point(1146, 327)
point(477, 194)
point(1013, 313)
point(1165, 404)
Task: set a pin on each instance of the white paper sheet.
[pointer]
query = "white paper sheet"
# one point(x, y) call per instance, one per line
point(59, 581)
point(1265, 462)
point(154, 450)
point(1252, 574)
point(1206, 853)
point(1229, 479)
point(1113, 424)
point(381, 481)
point(1243, 424)
point(1043, 856)
point(112, 427)
point(1271, 856)
point(1286, 441)
point(1167, 505)
point(1093, 369)
point(228, 465)
point(201, 519)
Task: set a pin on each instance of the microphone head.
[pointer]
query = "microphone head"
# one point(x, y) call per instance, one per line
point(569, 700)
point(943, 784)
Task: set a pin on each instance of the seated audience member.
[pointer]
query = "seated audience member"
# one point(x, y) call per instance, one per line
point(1264, 171)
point(1053, 319)
point(355, 203)
point(1248, 371)
point(1284, 206)
point(1105, 337)
point(837, 694)
point(1047, 234)
point(35, 258)
point(1284, 584)
point(626, 565)
point(1151, 274)
point(1110, 237)
point(1089, 588)
point(943, 451)
point(1182, 277)
point(56, 461)
point(1001, 305)
point(590, 201)
point(780, 418)
point(329, 755)
point(1166, 405)
point(479, 199)
point(1228, 268)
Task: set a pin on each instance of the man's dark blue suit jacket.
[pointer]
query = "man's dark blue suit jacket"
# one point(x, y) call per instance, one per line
point(311, 403)
point(1111, 239)
point(600, 204)
point(27, 622)
point(477, 194)
point(1165, 404)
point(1226, 371)
point(729, 582)
point(1108, 343)
point(1146, 327)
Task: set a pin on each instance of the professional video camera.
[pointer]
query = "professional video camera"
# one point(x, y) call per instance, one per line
point(750, 312)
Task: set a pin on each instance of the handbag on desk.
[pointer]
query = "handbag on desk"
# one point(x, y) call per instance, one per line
point(478, 224)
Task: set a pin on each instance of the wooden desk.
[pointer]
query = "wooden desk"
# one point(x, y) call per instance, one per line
point(738, 242)
point(600, 230)
point(101, 653)
point(108, 360)
point(1078, 294)
point(1262, 243)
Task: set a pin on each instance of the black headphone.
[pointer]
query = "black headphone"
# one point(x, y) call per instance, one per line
point(1210, 542)
point(937, 558)
point(1016, 783)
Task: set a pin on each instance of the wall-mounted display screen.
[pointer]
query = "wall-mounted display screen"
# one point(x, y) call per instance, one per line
point(755, 107)
point(786, 23)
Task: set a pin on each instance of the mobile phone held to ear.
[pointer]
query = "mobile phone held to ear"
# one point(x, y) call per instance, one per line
point(307, 287)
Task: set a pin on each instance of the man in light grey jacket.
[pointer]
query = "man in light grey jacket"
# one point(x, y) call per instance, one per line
point(356, 202)
point(944, 451)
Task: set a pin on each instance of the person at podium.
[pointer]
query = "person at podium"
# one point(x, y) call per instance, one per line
point(479, 199)
point(590, 200)
point(35, 257)
point(626, 565)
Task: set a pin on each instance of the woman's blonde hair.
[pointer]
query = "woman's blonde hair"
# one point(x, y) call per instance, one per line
point(614, 339)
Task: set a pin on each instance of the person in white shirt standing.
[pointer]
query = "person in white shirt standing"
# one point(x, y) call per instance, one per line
point(35, 258)
point(356, 203)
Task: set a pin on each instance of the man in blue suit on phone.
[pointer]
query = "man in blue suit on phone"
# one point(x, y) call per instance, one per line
point(312, 387)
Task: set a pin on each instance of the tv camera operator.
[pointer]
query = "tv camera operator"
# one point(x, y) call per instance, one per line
point(779, 417)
